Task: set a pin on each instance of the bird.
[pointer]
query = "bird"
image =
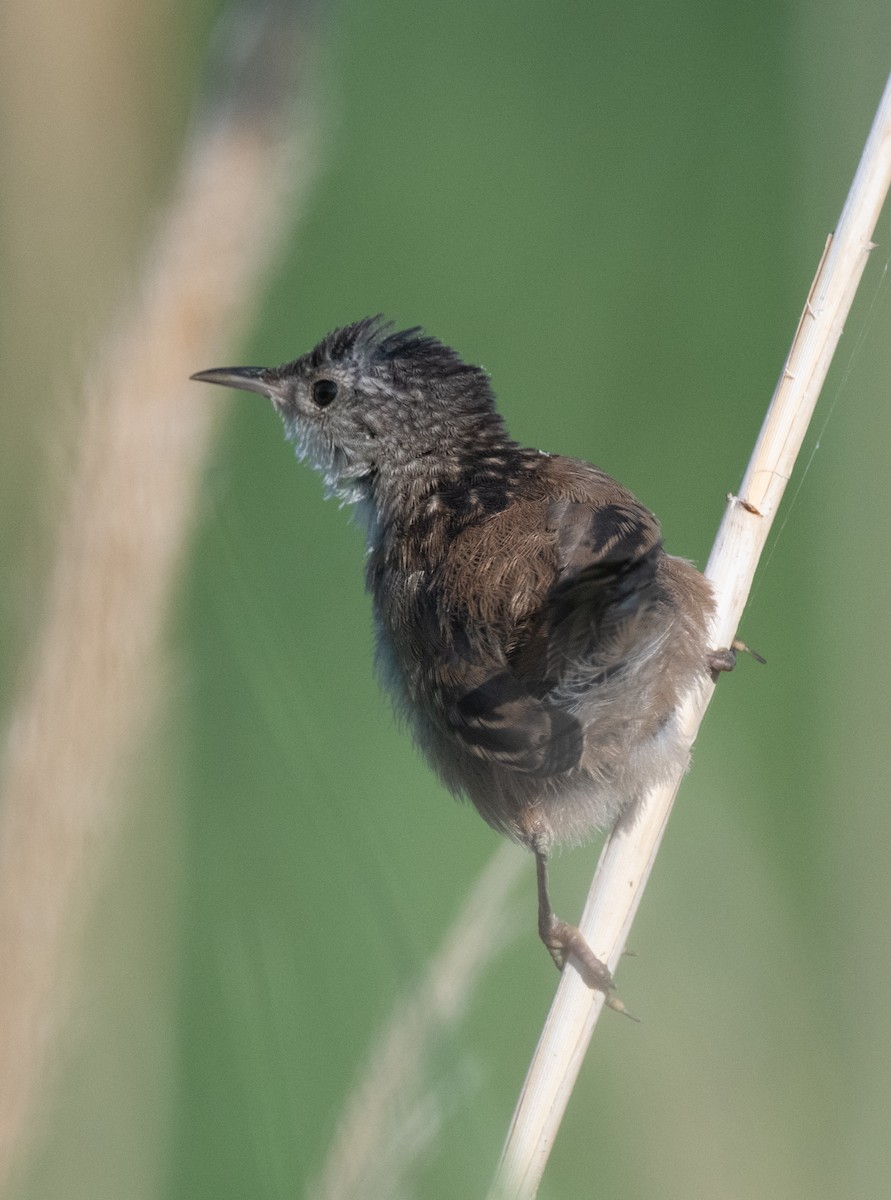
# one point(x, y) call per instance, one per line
point(531, 629)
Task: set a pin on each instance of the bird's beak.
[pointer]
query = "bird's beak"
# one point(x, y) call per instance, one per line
point(248, 379)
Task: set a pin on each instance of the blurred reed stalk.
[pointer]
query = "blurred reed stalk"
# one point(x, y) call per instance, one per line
point(89, 687)
point(390, 1116)
point(628, 855)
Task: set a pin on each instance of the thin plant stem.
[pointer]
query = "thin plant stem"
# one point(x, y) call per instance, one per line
point(628, 855)
point(393, 1113)
point(145, 430)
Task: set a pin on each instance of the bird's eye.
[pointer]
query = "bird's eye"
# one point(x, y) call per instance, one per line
point(324, 391)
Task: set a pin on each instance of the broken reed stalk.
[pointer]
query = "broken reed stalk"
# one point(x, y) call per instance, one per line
point(145, 431)
point(628, 855)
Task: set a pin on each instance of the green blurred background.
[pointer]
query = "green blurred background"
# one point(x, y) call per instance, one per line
point(617, 210)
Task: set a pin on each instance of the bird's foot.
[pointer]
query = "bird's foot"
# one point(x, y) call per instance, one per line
point(564, 940)
point(721, 660)
point(725, 659)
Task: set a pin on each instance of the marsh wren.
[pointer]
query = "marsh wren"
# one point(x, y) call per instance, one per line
point(531, 629)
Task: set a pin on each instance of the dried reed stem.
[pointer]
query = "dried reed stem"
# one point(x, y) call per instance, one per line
point(628, 856)
point(145, 432)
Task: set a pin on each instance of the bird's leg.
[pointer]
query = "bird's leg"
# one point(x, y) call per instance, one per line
point(563, 940)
